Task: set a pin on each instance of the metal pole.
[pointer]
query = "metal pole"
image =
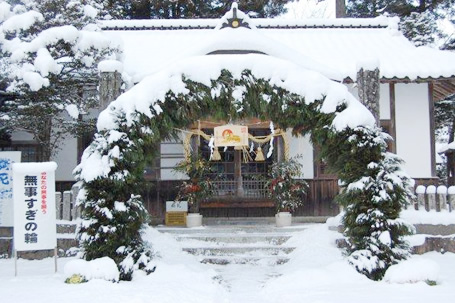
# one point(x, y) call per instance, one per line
point(55, 258)
point(15, 262)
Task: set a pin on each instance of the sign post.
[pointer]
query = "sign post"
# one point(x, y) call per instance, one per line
point(34, 207)
point(6, 186)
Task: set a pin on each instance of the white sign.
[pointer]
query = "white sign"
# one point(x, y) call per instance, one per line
point(34, 206)
point(176, 206)
point(231, 135)
point(6, 186)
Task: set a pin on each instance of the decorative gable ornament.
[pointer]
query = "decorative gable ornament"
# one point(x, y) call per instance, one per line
point(233, 19)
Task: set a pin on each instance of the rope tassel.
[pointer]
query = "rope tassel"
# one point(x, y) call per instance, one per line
point(259, 155)
point(216, 155)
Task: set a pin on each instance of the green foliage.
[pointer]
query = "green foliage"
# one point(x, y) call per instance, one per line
point(76, 279)
point(285, 190)
point(199, 186)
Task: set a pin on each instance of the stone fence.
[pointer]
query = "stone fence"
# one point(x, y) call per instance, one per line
point(66, 208)
point(435, 198)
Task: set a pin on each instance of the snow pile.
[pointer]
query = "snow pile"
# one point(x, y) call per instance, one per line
point(102, 268)
point(444, 217)
point(110, 66)
point(416, 269)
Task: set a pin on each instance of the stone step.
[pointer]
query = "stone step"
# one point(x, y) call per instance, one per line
point(240, 251)
point(232, 231)
point(243, 239)
point(262, 261)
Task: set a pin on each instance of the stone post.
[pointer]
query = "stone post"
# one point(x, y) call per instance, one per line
point(442, 198)
point(368, 86)
point(420, 191)
point(451, 194)
point(67, 205)
point(58, 205)
point(431, 193)
point(76, 211)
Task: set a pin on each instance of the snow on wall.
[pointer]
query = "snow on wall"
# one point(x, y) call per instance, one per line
point(302, 146)
point(413, 128)
point(67, 160)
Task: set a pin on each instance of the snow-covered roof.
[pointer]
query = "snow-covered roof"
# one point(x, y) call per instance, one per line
point(333, 47)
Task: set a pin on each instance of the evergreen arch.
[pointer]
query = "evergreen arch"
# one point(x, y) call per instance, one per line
point(112, 167)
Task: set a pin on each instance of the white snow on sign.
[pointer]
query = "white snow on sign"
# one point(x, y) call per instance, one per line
point(34, 206)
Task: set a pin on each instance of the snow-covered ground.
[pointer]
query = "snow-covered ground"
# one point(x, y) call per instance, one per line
point(316, 272)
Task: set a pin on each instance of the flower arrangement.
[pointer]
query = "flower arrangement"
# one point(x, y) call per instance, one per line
point(199, 186)
point(285, 190)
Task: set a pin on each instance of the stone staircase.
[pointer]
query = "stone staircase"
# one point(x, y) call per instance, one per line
point(241, 243)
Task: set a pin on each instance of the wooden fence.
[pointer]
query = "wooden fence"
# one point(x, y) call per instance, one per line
point(319, 202)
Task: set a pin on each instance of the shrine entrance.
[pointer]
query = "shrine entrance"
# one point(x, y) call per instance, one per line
point(240, 176)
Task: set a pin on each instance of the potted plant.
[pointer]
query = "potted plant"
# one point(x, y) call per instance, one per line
point(196, 189)
point(286, 190)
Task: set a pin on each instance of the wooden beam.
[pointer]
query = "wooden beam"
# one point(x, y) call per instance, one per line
point(393, 129)
point(432, 128)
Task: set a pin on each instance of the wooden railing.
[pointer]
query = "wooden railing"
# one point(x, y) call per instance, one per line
point(251, 189)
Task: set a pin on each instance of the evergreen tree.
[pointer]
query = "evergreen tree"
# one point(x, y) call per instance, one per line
point(418, 18)
point(175, 9)
point(50, 50)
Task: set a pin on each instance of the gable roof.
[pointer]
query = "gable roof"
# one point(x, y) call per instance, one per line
point(330, 46)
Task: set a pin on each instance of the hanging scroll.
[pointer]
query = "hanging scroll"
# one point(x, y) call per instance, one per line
point(231, 135)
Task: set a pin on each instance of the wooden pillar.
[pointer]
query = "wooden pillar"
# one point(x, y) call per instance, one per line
point(432, 129)
point(368, 86)
point(110, 87)
point(393, 128)
point(238, 172)
point(340, 9)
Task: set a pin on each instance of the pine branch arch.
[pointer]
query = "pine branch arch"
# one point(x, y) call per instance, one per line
point(111, 170)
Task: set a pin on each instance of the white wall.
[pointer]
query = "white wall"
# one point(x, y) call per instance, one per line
point(171, 154)
point(22, 136)
point(302, 146)
point(66, 159)
point(413, 128)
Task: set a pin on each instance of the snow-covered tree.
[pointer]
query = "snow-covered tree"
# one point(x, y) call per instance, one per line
point(50, 50)
point(173, 9)
point(418, 18)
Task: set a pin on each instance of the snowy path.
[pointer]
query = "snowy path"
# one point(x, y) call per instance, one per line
point(316, 272)
point(250, 254)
